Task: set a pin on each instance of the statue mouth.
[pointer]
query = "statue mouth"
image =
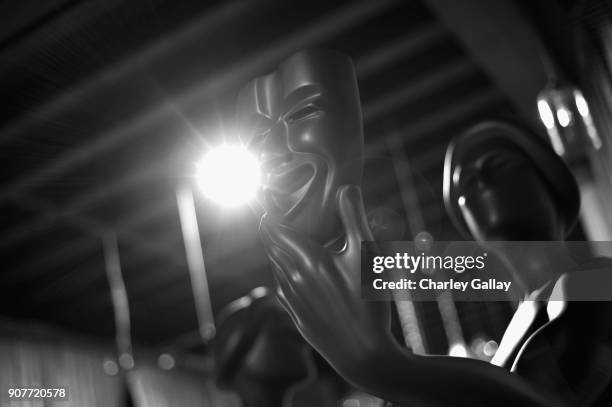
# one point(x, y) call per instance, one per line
point(287, 187)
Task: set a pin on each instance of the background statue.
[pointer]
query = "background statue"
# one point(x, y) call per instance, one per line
point(261, 356)
point(503, 184)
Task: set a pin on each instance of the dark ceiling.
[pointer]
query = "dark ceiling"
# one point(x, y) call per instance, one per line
point(108, 103)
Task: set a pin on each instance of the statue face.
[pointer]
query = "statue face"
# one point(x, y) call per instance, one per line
point(503, 197)
point(304, 123)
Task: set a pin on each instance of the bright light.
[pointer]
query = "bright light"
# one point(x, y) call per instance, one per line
point(548, 118)
point(489, 349)
point(564, 116)
point(583, 109)
point(581, 104)
point(229, 175)
point(458, 350)
point(546, 114)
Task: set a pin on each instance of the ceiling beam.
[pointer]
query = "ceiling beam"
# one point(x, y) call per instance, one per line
point(92, 228)
point(383, 56)
point(408, 45)
point(131, 66)
point(255, 63)
point(503, 44)
point(443, 117)
point(417, 88)
point(151, 171)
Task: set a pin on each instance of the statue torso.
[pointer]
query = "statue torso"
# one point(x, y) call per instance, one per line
point(564, 346)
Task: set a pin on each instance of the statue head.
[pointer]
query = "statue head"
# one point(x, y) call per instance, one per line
point(259, 352)
point(503, 183)
point(304, 123)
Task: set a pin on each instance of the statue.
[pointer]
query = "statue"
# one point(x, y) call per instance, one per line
point(497, 176)
point(258, 352)
point(503, 184)
point(306, 126)
point(304, 123)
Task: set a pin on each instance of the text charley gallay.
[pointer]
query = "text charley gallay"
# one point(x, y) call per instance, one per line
point(434, 264)
point(431, 284)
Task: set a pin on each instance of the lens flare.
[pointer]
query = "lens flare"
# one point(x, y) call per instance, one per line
point(229, 175)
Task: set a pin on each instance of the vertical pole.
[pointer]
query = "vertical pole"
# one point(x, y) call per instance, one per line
point(416, 225)
point(405, 308)
point(119, 298)
point(452, 327)
point(195, 262)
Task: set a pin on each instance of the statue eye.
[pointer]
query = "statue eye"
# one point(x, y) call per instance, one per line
point(304, 113)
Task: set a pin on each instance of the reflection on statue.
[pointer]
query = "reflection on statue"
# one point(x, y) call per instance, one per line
point(306, 126)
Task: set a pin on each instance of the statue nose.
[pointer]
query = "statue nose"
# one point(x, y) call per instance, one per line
point(275, 149)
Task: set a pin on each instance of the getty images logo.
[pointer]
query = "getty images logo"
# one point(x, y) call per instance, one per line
point(412, 263)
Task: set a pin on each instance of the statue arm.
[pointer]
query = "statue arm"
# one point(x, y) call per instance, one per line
point(396, 375)
point(321, 291)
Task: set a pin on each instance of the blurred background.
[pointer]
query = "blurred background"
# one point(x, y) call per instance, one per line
point(107, 105)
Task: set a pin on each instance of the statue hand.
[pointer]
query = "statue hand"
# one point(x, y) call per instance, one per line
point(320, 288)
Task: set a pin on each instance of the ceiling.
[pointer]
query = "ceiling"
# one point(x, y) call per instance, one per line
point(108, 103)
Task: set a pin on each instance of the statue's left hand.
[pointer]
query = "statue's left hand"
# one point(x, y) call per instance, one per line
point(320, 289)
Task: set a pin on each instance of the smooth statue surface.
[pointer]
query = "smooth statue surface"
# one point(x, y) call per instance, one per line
point(501, 184)
point(304, 123)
